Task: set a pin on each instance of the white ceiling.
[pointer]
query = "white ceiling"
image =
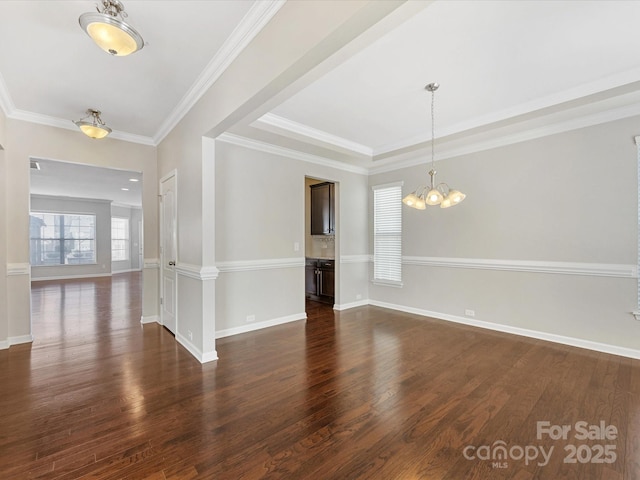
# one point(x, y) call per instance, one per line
point(53, 69)
point(493, 59)
point(56, 178)
point(510, 68)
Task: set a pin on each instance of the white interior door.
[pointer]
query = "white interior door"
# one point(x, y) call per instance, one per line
point(168, 252)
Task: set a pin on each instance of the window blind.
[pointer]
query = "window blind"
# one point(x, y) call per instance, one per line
point(387, 228)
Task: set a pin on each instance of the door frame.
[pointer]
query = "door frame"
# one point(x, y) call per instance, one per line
point(337, 232)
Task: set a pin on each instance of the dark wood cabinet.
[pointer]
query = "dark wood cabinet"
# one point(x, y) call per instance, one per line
point(326, 285)
point(320, 280)
point(311, 278)
point(323, 209)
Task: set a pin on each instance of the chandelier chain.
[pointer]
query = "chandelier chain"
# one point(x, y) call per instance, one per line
point(433, 128)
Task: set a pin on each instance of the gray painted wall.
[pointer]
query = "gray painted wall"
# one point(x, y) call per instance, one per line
point(260, 200)
point(102, 210)
point(566, 200)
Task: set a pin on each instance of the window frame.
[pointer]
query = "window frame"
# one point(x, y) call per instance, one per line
point(391, 231)
point(126, 239)
point(68, 228)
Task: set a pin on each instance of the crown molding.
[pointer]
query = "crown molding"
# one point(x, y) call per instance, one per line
point(313, 133)
point(286, 152)
point(525, 134)
point(255, 19)
point(534, 128)
point(10, 111)
point(617, 82)
point(49, 121)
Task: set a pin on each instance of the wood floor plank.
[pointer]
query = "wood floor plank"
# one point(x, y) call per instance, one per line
point(366, 393)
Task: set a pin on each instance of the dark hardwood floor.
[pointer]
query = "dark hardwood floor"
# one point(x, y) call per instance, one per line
point(365, 393)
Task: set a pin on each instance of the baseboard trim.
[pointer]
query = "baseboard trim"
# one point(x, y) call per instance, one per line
point(195, 351)
point(260, 325)
point(524, 332)
point(128, 270)
point(70, 277)
point(150, 319)
point(4, 344)
point(347, 306)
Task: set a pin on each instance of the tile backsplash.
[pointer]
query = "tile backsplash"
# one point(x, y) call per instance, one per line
point(321, 246)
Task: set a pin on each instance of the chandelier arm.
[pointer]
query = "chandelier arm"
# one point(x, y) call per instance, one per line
point(443, 184)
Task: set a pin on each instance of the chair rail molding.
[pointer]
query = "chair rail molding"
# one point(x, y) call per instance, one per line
point(260, 264)
point(18, 269)
point(151, 263)
point(531, 266)
point(197, 272)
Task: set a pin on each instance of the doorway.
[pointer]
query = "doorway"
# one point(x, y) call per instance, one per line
point(77, 248)
point(320, 245)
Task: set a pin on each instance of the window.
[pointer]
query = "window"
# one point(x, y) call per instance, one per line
point(387, 234)
point(119, 239)
point(62, 239)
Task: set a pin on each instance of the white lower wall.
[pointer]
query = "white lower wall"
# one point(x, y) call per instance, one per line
point(19, 305)
point(250, 299)
point(584, 307)
point(353, 271)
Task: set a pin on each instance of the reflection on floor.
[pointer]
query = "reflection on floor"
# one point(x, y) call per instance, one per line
point(90, 306)
point(317, 310)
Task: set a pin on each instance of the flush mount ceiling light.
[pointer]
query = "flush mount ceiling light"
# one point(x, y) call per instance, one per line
point(95, 128)
point(434, 194)
point(110, 33)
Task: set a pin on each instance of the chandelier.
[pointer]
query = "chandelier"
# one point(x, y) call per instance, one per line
point(110, 33)
point(434, 193)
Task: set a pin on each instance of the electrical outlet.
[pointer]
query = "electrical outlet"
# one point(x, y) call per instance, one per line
point(296, 246)
point(251, 318)
point(358, 297)
point(470, 313)
point(190, 333)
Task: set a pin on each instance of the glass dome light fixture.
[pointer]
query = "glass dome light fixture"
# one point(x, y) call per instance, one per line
point(95, 128)
point(111, 34)
point(434, 193)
